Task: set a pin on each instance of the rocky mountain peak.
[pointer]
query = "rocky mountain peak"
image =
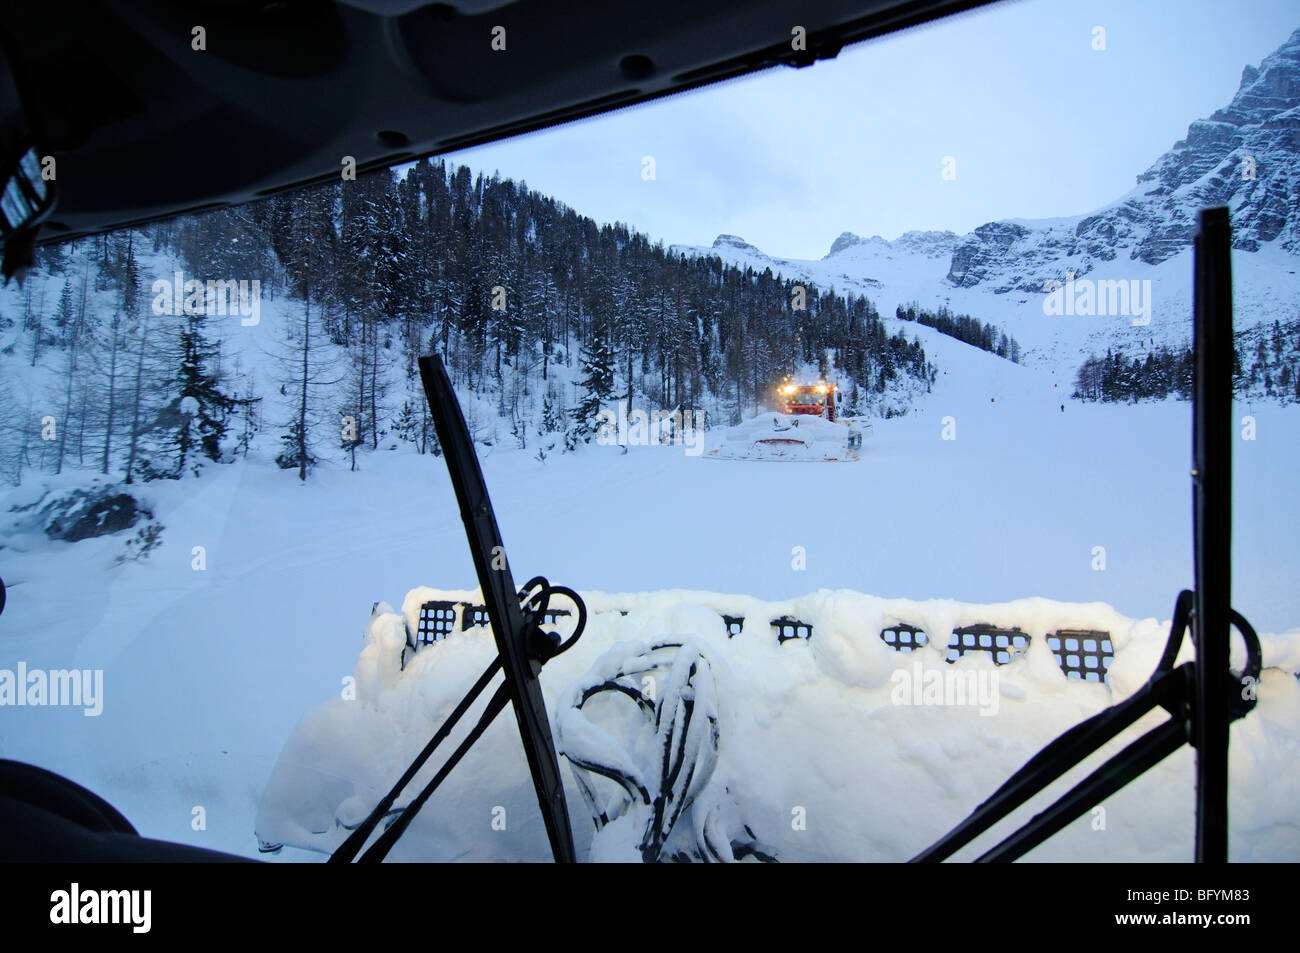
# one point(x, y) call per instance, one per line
point(1245, 155)
point(846, 240)
point(733, 241)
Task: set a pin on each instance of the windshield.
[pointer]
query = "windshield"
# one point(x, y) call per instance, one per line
point(229, 525)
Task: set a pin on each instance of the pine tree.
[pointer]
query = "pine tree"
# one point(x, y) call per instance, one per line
point(597, 384)
point(554, 418)
point(296, 453)
point(64, 313)
point(203, 406)
point(407, 424)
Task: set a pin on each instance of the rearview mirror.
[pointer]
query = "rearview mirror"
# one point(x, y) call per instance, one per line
point(27, 198)
point(27, 192)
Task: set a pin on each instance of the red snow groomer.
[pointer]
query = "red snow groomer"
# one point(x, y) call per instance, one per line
point(779, 436)
point(815, 400)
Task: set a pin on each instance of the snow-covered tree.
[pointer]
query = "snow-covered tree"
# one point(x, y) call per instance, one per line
point(597, 383)
point(204, 406)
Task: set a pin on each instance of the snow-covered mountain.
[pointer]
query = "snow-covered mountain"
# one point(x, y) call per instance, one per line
point(1245, 156)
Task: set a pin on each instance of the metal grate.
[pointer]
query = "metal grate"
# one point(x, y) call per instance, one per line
point(734, 623)
point(904, 638)
point(787, 628)
point(1082, 653)
point(437, 621)
point(473, 615)
point(1001, 644)
point(478, 615)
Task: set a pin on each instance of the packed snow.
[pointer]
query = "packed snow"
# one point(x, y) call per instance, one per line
point(785, 437)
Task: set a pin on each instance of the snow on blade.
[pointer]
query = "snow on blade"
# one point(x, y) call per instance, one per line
point(834, 747)
point(785, 437)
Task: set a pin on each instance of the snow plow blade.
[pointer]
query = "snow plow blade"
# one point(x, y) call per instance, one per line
point(789, 438)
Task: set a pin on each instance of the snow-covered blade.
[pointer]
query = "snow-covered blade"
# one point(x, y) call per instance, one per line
point(788, 437)
point(837, 747)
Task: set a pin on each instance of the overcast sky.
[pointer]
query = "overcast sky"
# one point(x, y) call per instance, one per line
point(1038, 122)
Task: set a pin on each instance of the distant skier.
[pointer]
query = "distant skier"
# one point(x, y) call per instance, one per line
point(1062, 408)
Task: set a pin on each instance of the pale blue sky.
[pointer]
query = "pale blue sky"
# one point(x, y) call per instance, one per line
point(1040, 125)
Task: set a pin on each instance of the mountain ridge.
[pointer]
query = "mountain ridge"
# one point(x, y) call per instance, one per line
point(1244, 155)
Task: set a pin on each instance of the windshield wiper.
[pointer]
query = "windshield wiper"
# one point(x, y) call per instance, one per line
point(522, 648)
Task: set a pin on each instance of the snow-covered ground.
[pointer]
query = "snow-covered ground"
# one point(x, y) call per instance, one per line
point(207, 672)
